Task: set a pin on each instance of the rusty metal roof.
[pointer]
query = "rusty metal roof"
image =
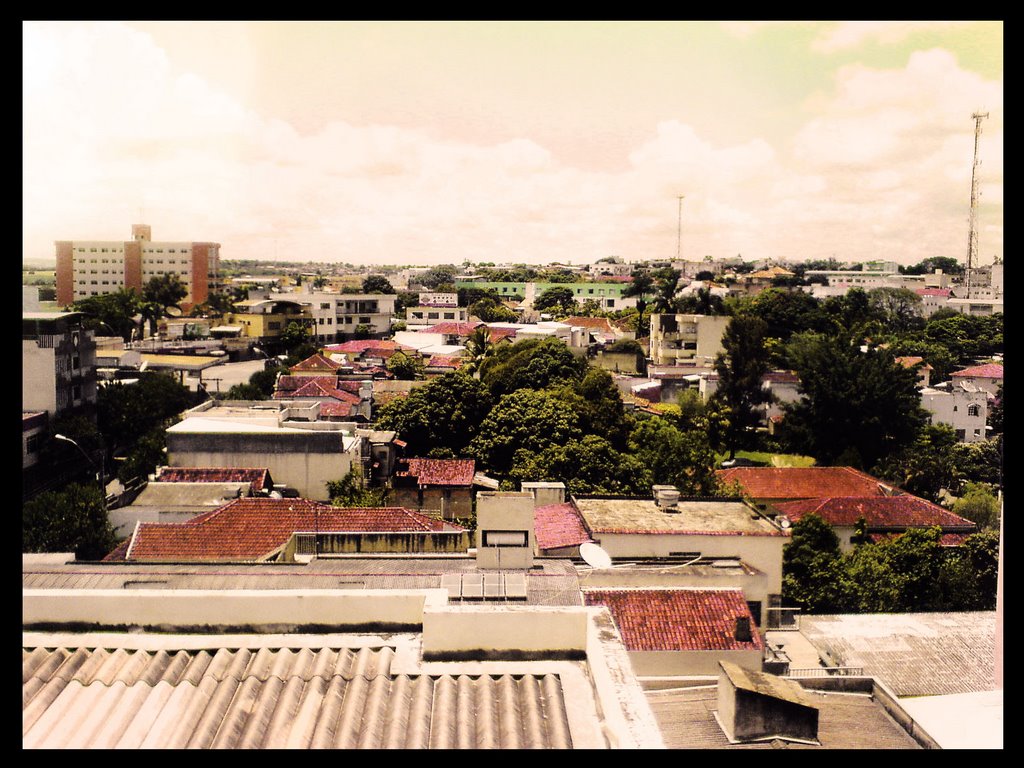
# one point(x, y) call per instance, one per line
point(82, 696)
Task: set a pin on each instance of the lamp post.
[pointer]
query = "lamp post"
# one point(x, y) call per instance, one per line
point(102, 478)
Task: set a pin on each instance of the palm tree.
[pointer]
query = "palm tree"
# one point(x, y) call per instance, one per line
point(480, 348)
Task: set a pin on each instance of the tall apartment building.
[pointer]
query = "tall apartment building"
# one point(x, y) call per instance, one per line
point(677, 339)
point(96, 267)
point(58, 364)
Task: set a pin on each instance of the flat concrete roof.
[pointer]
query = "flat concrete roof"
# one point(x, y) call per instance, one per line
point(645, 516)
point(960, 720)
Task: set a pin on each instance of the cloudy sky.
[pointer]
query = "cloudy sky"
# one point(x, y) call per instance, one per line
point(434, 142)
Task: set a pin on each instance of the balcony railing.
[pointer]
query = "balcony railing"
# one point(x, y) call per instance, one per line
point(826, 672)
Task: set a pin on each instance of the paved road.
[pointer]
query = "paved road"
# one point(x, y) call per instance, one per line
point(220, 378)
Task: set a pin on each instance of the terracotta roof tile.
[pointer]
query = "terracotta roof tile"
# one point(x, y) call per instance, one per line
point(499, 334)
point(593, 323)
point(444, 361)
point(252, 529)
point(453, 329)
point(878, 512)
point(678, 619)
point(910, 362)
point(932, 292)
point(559, 525)
point(988, 371)
point(362, 345)
point(802, 482)
point(287, 383)
point(438, 471)
point(258, 478)
point(316, 362)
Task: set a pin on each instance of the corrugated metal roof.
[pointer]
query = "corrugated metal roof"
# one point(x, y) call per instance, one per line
point(688, 720)
point(85, 697)
point(550, 582)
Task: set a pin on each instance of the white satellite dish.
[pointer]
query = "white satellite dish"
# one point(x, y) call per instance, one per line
point(594, 556)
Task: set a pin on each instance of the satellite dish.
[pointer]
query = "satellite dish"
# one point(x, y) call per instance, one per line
point(594, 556)
point(173, 311)
point(784, 522)
point(145, 364)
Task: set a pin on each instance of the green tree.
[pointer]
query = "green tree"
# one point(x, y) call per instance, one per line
point(245, 392)
point(926, 466)
point(115, 312)
point(528, 420)
point(479, 347)
point(351, 491)
point(673, 457)
point(439, 278)
point(559, 301)
point(377, 284)
point(995, 413)
point(144, 456)
point(72, 520)
point(897, 575)
point(532, 363)
point(666, 283)
point(813, 577)
point(642, 288)
point(598, 403)
point(446, 412)
point(164, 291)
point(900, 309)
point(741, 367)
point(589, 465)
point(405, 367)
point(859, 406)
point(786, 312)
point(979, 505)
point(362, 331)
point(294, 336)
point(127, 412)
point(489, 309)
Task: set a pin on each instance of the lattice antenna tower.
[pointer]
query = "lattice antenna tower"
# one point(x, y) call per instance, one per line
point(972, 235)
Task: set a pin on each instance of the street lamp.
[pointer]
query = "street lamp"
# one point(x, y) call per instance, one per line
point(102, 478)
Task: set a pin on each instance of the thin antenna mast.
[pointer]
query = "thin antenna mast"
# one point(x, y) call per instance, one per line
point(679, 231)
point(972, 235)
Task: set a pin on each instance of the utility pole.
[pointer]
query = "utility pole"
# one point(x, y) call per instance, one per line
point(972, 235)
point(679, 230)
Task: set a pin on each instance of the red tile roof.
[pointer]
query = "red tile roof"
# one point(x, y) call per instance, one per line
point(987, 371)
point(782, 377)
point(259, 479)
point(336, 409)
point(443, 361)
point(932, 291)
point(439, 471)
point(593, 323)
point(288, 384)
point(362, 345)
point(500, 334)
point(318, 388)
point(559, 525)
point(254, 529)
point(910, 362)
point(316, 362)
point(453, 329)
point(802, 482)
point(878, 512)
point(678, 619)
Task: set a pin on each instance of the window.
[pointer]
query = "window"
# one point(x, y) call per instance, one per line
point(433, 315)
point(274, 326)
point(960, 434)
point(364, 320)
point(974, 410)
point(320, 321)
point(449, 315)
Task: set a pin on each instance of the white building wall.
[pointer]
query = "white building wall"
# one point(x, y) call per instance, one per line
point(962, 410)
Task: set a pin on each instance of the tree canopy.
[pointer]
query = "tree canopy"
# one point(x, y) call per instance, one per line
point(446, 412)
point(71, 520)
point(377, 284)
point(859, 407)
point(741, 366)
point(164, 290)
point(560, 301)
point(532, 363)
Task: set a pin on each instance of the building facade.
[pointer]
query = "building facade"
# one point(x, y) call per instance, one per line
point(97, 267)
point(58, 364)
point(677, 338)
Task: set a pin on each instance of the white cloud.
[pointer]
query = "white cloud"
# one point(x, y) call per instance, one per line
point(850, 34)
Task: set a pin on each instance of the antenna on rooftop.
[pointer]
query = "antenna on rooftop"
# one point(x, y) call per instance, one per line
point(972, 235)
point(679, 229)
